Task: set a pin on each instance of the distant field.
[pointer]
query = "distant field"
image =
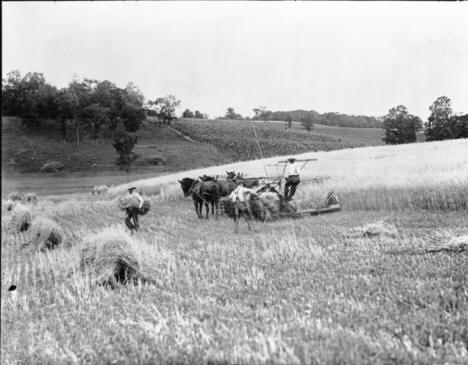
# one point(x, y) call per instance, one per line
point(236, 140)
point(354, 287)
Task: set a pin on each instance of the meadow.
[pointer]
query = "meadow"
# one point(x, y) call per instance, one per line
point(354, 287)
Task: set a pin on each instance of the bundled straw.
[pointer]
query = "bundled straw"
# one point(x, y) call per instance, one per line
point(14, 196)
point(30, 197)
point(20, 219)
point(456, 244)
point(128, 201)
point(8, 205)
point(376, 229)
point(109, 257)
point(264, 207)
point(46, 234)
point(101, 189)
point(144, 208)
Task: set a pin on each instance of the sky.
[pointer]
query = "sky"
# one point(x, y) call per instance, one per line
point(347, 57)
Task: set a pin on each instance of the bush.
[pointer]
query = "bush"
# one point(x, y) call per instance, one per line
point(52, 166)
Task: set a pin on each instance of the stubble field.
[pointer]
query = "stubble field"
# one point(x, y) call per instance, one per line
point(359, 286)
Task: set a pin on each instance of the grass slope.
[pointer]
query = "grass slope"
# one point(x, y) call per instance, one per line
point(24, 153)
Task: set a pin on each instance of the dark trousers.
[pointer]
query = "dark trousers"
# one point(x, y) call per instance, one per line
point(131, 220)
point(290, 186)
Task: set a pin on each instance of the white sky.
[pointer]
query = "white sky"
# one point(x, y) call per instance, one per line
point(349, 57)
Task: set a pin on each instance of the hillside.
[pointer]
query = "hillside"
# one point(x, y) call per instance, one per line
point(25, 152)
point(93, 163)
point(239, 140)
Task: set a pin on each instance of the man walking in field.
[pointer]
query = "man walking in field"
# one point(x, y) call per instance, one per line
point(132, 212)
point(292, 174)
point(240, 199)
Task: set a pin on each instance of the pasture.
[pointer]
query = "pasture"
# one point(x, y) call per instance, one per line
point(353, 287)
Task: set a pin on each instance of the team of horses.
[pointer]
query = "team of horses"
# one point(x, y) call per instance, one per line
point(208, 190)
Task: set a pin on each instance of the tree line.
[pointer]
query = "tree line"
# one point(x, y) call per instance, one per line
point(92, 105)
point(87, 106)
point(330, 119)
point(101, 108)
point(401, 127)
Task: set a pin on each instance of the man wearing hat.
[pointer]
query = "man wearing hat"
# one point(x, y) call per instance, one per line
point(239, 198)
point(132, 213)
point(292, 178)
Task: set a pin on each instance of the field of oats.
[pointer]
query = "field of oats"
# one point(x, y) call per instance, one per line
point(383, 281)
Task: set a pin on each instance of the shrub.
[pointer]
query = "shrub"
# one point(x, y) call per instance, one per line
point(46, 234)
point(52, 166)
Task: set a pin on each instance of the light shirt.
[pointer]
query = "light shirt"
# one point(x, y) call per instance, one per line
point(139, 198)
point(239, 193)
point(293, 169)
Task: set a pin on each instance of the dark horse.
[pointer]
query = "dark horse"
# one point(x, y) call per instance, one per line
point(202, 192)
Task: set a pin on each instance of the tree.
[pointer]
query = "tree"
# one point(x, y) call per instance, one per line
point(96, 116)
point(132, 116)
point(400, 126)
point(187, 114)
point(67, 108)
point(288, 121)
point(459, 126)
point(199, 115)
point(307, 121)
point(165, 108)
point(231, 114)
point(123, 144)
point(438, 124)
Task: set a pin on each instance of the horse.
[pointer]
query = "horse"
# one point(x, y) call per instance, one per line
point(227, 186)
point(250, 182)
point(202, 192)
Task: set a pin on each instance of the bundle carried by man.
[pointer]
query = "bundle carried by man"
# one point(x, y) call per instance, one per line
point(131, 201)
point(128, 201)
